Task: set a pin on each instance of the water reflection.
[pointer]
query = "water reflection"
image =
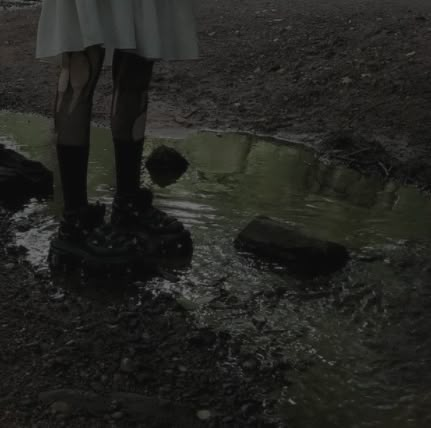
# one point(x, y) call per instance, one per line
point(358, 337)
point(240, 176)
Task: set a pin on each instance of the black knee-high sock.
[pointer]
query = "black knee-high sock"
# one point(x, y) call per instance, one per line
point(128, 161)
point(131, 76)
point(73, 165)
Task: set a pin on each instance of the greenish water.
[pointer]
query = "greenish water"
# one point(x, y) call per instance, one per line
point(240, 176)
point(349, 349)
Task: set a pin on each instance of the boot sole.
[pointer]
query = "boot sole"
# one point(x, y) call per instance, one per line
point(64, 254)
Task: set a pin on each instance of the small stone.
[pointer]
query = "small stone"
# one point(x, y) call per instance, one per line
point(58, 296)
point(204, 415)
point(117, 416)
point(115, 405)
point(259, 322)
point(60, 407)
point(9, 266)
point(126, 365)
point(145, 337)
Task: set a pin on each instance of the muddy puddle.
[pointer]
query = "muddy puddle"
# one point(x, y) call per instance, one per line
point(354, 349)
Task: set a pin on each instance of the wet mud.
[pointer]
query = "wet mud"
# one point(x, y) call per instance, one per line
point(296, 68)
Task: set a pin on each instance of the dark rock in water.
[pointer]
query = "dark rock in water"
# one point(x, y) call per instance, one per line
point(277, 242)
point(21, 178)
point(166, 165)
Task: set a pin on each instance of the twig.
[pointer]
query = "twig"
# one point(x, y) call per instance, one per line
point(386, 171)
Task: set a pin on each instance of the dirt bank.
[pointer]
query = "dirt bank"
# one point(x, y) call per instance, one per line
point(276, 67)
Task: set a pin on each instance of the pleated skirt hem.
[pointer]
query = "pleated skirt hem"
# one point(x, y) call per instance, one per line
point(154, 29)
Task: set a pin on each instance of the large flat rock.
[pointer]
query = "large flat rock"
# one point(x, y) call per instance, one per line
point(21, 178)
point(280, 243)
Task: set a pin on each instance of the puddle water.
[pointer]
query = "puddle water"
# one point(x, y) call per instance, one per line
point(353, 363)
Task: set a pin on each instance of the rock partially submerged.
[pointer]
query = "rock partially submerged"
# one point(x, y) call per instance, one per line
point(21, 178)
point(277, 242)
point(166, 165)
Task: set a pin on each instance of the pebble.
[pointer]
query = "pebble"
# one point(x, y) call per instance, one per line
point(58, 297)
point(9, 266)
point(117, 415)
point(126, 365)
point(60, 407)
point(204, 415)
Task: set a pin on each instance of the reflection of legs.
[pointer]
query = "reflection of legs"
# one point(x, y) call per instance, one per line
point(132, 76)
point(78, 79)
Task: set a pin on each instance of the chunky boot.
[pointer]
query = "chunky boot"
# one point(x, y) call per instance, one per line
point(137, 215)
point(83, 237)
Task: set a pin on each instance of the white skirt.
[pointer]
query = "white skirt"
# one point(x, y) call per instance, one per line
point(154, 29)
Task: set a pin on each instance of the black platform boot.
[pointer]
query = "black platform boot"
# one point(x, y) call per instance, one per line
point(83, 237)
point(137, 215)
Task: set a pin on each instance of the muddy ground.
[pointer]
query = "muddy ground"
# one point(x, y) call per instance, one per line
point(291, 68)
point(278, 67)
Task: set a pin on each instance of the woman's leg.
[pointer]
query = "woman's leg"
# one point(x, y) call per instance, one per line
point(132, 76)
point(132, 210)
point(133, 206)
point(78, 78)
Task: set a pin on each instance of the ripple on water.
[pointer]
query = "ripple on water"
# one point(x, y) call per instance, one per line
point(358, 354)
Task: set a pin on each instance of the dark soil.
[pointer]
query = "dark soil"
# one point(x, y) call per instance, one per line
point(354, 73)
point(276, 67)
point(96, 337)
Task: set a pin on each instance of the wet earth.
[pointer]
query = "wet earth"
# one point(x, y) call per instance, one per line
point(226, 341)
point(297, 68)
point(230, 341)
